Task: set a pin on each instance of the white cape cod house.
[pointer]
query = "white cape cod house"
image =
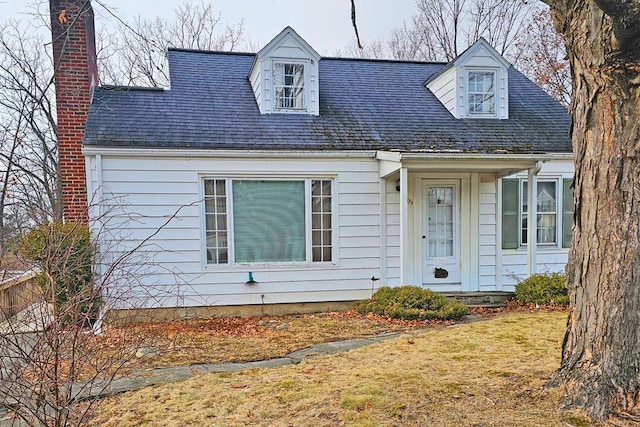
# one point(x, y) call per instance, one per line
point(286, 177)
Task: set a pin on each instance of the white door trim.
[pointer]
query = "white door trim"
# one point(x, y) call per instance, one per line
point(451, 265)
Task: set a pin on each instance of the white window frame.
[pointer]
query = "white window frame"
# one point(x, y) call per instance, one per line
point(305, 87)
point(558, 212)
point(473, 114)
point(308, 222)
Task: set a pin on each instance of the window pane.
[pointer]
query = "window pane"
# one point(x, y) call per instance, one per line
point(321, 220)
point(221, 222)
point(288, 80)
point(215, 220)
point(326, 187)
point(546, 221)
point(440, 216)
point(269, 221)
point(209, 187)
point(481, 92)
point(326, 254)
point(210, 222)
point(326, 204)
point(316, 221)
point(546, 197)
point(546, 228)
point(326, 221)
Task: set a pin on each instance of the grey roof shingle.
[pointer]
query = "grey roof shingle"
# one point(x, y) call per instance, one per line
point(364, 104)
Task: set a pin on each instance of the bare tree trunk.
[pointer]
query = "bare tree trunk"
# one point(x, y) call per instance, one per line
point(601, 353)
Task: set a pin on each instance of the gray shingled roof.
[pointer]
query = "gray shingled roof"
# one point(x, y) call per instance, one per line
point(364, 104)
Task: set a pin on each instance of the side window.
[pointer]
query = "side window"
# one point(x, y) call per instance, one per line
point(549, 217)
point(216, 221)
point(321, 227)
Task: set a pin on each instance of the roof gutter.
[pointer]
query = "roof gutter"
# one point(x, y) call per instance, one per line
point(543, 157)
point(89, 150)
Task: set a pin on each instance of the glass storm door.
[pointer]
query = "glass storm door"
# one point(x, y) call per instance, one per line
point(442, 233)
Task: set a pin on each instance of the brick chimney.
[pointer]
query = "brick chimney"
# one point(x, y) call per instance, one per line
point(75, 74)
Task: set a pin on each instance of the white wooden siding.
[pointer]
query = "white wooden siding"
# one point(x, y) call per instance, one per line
point(257, 86)
point(141, 194)
point(392, 213)
point(444, 88)
point(488, 233)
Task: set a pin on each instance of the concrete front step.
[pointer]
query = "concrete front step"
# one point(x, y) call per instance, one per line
point(481, 299)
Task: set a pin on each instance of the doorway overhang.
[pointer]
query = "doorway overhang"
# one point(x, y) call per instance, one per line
point(390, 162)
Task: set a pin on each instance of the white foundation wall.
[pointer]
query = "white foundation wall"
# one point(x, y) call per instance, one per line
point(156, 201)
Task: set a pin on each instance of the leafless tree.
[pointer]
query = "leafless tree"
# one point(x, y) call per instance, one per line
point(442, 29)
point(137, 50)
point(28, 155)
point(373, 49)
point(542, 56)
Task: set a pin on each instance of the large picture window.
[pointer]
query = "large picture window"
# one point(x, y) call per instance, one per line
point(288, 86)
point(482, 93)
point(267, 221)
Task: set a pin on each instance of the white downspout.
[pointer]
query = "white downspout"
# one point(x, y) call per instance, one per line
point(532, 218)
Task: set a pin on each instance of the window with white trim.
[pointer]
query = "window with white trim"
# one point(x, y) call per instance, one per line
point(546, 206)
point(554, 205)
point(288, 86)
point(268, 221)
point(321, 228)
point(481, 92)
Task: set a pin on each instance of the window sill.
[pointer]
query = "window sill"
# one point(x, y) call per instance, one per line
point(290, 111)
point(298, 266)
point(541, 248)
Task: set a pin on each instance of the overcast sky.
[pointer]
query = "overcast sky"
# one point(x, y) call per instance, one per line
point(324, 24)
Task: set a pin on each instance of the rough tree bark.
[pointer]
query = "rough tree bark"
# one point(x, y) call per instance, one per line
point(601, 351)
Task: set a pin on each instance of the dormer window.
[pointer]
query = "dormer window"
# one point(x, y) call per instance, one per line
point(288, 86)
point(482, 93)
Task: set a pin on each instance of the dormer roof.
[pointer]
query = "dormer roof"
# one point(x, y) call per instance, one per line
point(284, 76)
point(480, 46)
point(296, 42)
point(460, 85)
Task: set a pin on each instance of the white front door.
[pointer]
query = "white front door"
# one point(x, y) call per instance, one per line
point(441, 232)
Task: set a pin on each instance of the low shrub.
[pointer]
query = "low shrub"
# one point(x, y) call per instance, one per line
point(411, 303)
point(543, 289)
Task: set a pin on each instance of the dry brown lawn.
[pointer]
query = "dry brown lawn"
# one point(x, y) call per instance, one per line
point(243, 339)
point(487, 373)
